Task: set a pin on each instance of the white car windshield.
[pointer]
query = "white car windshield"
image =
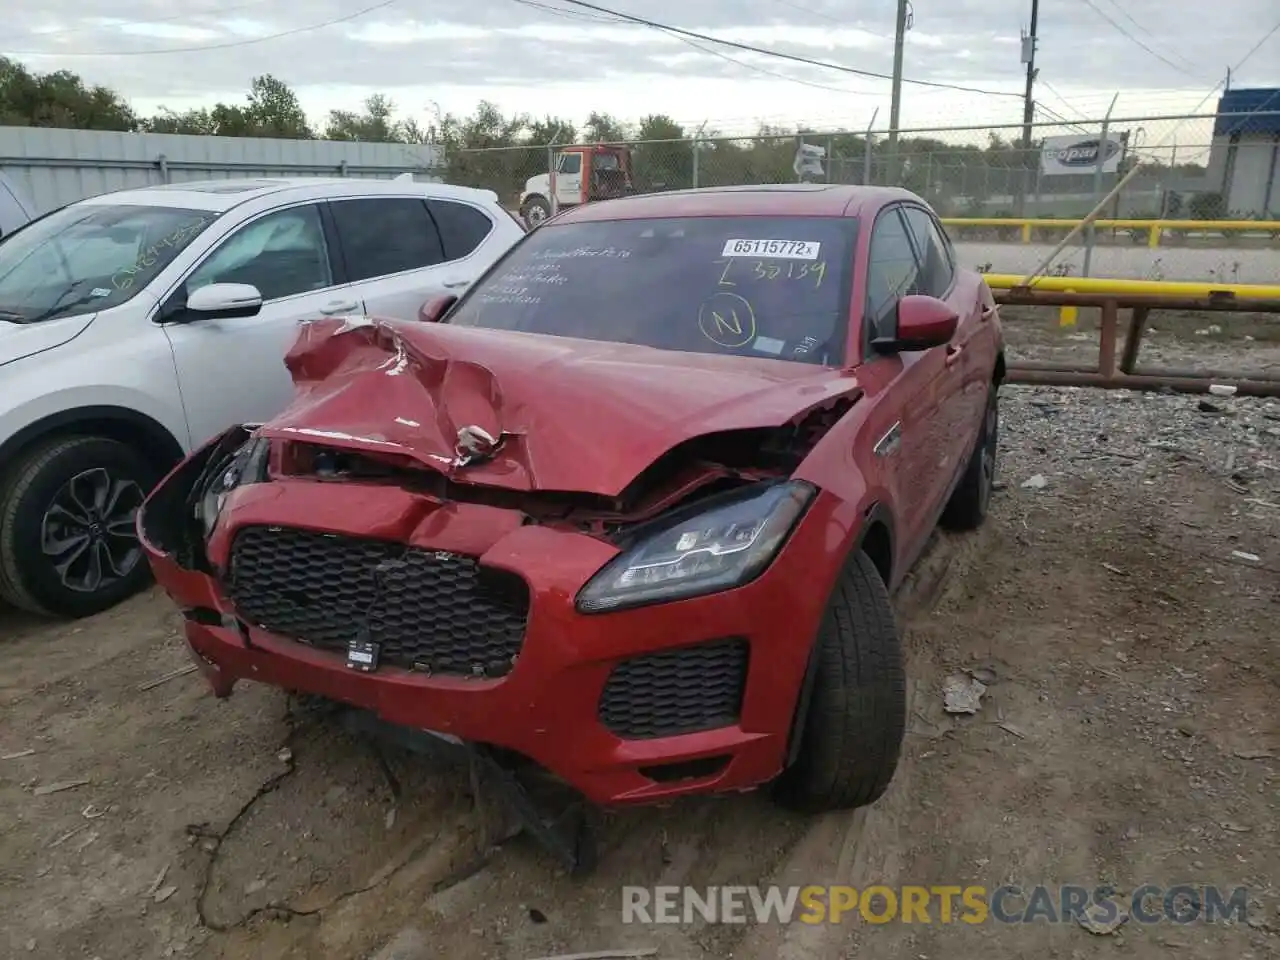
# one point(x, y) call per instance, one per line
point(89, 257)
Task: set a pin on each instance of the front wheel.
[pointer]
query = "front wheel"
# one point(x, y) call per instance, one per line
point(852, 728)
point(535, 212)
point(68, 546)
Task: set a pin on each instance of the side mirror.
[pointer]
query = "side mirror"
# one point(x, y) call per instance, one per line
point(222, 300)
point(923, 322)
point(436, 307)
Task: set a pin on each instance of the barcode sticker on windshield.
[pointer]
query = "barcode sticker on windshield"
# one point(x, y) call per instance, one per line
point(780, 249)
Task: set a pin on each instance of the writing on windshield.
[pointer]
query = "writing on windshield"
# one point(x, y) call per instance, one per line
point(749, 286)
point(89, 257)
point(163, 249)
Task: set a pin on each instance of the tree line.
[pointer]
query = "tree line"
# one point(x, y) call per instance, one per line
point(962, 173)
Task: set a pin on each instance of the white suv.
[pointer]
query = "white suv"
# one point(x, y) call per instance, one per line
point(136, 325)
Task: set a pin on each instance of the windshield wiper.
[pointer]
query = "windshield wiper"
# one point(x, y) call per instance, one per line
point(62, 304)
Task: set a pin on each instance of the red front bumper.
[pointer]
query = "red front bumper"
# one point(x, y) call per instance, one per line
point(548, 707)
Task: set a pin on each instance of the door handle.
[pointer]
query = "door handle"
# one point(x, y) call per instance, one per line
point(953, 353)
point(339, 306)
point(456, 284)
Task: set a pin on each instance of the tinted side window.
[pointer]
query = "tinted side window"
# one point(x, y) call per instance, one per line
point(570, 163)
point(462, 228)
point(281, 254)
point(892, 271)
point(935, 278)
point(385, 235)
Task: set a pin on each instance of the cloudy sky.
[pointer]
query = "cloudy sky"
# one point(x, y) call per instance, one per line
point(543, 56)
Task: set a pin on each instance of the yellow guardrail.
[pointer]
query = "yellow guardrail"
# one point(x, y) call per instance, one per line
point(1154, 228)
point(1122, 286)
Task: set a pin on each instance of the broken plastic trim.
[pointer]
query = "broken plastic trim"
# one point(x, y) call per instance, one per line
point(567, 836)
point(245, 465)
point(179, 515)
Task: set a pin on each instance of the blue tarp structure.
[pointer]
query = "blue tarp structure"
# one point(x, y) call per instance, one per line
point(1261, 107)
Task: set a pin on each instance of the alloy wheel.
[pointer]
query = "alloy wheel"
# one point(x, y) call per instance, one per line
point(88, 532)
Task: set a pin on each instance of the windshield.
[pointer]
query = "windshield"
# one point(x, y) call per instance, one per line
point(89, 257)
point(746, 286)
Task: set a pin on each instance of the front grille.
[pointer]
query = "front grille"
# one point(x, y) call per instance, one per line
point(431, 611)
point(676, 691)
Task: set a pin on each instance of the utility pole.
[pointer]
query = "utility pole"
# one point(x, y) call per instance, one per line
point(1028, 102)
point(1029, 58)
point(895, 97)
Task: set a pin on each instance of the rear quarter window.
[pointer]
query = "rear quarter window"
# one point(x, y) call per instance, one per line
point(462, 227)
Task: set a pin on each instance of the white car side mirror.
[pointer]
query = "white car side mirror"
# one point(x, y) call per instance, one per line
point(225, 300)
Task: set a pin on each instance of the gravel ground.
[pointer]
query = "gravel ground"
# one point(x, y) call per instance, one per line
point(1121, 604)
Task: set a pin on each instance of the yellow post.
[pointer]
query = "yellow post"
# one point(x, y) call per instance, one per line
point(1153, 236)
point(1026, 232)
point(1067, 314)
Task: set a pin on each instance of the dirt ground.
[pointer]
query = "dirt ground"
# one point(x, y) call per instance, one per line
point(1128, 736)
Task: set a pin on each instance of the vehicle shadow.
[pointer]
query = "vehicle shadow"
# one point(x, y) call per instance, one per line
point(17, 624)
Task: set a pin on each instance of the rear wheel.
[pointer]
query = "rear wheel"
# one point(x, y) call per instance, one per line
point(852, 727)
point(967, 508)
point(535, 212)
point(68, 546)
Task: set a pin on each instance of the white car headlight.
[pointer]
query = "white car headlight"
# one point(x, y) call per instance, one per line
point(717, 545)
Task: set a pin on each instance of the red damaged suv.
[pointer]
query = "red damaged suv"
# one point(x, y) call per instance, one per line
point(631, 508)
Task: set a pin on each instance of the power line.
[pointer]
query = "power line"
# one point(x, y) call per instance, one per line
point(1188, 65)
point(767, 72)
point(696, 46)
point(1221, 83)
point(1125, 13)
point(570, 14)
point(1159, 56)
point(1061, 99)
point(1255, 48)
point(1059, 118)
point(208, 46)
point(748, 48)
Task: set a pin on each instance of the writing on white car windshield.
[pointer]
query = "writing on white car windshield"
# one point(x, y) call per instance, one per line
point(90, 257)
point(768, 287)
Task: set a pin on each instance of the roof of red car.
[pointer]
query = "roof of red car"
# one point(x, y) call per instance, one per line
point(781, 199)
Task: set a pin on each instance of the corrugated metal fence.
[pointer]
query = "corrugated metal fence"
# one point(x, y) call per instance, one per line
point(56, 167)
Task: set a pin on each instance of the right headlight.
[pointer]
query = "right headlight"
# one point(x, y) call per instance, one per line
point(247, 464)
point(724, 543)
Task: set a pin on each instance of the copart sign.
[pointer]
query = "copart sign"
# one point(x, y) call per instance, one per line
point(1062, 155)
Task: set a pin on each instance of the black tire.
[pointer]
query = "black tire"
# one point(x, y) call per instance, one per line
point(29, 578)
point(535, 212)
point(853, 724)
point(971, 499)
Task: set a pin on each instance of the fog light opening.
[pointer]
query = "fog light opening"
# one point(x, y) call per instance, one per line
point(699, 769)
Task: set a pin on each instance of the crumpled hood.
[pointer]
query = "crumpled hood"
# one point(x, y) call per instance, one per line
point(573, 415)
point(19, 340)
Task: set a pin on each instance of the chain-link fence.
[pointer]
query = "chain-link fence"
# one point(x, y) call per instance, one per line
point(1204, 167)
